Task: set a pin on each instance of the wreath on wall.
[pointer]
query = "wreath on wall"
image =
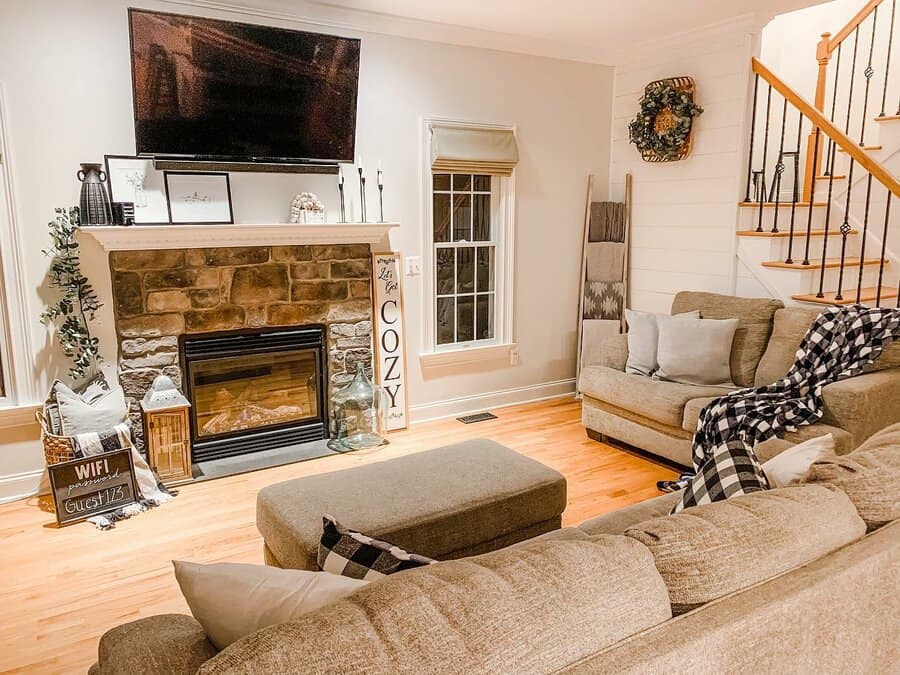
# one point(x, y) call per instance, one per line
point(662, 129)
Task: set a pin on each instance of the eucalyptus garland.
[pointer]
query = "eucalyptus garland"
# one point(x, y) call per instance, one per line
point(663, 125)
point(78, 301)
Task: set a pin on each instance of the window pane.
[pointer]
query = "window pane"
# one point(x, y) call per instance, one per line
point(485, 268)
point(482, 183)
point(441, 181)
point(445, 320)
point(462, 217)
point(465, 269)
point(465, 318)
point(462, 181)
point(441, 207)
point(444, 266)
point(481, 218)
point(484, 310)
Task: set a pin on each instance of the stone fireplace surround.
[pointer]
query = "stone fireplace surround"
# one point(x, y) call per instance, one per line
point(161, 294)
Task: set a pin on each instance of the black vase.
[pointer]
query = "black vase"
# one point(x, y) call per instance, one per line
point(95, 206)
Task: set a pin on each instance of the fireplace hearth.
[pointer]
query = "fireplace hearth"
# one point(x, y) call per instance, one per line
point(254, 390)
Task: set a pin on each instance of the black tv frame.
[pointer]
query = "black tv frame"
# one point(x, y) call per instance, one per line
point(233, 162)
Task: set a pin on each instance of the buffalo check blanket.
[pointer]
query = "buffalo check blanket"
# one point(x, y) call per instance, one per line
point(841, 342)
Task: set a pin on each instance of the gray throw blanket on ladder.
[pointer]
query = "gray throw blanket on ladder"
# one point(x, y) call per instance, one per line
point(841, 342)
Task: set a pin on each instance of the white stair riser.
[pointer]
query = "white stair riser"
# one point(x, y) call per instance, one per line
point(801, 282)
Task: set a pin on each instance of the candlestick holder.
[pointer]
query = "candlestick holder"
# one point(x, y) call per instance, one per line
point(343, 212)
point(362, 195)
point(381, 202)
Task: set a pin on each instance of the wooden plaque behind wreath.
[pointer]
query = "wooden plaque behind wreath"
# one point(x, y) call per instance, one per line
point(390, 338)
point(663, 129)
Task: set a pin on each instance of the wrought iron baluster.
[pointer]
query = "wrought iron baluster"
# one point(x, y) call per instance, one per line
point(752, 135)
point(887, 60)
point(812, 196)
point(884, 237)
point(796, 193)
point(829, 169)
point(862, 248)
point(852, 80)
point(821, 292)
point(868, 72)
point(779, 167)
point(762, 188)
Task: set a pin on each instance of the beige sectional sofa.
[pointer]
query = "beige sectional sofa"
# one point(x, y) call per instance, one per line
point(801, 579)
point(661, 417)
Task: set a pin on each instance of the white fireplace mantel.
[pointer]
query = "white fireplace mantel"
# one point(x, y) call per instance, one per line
point(150, 237)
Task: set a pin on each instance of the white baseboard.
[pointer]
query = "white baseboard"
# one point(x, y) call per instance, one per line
point(20, 485)
point(454, 407)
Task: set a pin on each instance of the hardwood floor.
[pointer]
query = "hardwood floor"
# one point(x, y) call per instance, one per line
point(63, 588)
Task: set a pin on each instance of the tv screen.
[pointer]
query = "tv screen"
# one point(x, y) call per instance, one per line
point(205, 88)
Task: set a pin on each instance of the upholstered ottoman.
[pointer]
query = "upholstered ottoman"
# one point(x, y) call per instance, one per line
point(451, 502)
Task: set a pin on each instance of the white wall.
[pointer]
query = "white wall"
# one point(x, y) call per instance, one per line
point(684, 212)
point(65, 69)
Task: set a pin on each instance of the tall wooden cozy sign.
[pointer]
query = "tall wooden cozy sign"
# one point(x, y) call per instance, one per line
point(390, 339)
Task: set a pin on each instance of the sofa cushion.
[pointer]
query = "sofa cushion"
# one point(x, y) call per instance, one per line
point(754, 317)
point(478, 615)
point(174, 644)
point(616, 522)
point(870, 476)
point(434, 503)
point(708, 551)
point(660, 401)
point(788, 331)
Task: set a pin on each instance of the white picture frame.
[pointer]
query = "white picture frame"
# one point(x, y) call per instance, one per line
point(390, 336)
point(134, 180)
point(198, 198)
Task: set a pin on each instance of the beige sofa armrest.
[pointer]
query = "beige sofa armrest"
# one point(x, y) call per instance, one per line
point(863, 404)
point(613, 352)
point(165, 644)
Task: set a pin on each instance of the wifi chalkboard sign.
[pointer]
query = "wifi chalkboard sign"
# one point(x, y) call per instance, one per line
point(93, 485)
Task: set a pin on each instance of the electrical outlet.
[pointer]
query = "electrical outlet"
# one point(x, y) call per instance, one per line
point(514, 356)
point(413, 266)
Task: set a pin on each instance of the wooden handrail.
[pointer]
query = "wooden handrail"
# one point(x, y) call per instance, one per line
point(847, 30)
point(878, 171)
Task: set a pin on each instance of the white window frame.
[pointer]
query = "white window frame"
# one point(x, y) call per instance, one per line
point(502, 346)
point(17, 405)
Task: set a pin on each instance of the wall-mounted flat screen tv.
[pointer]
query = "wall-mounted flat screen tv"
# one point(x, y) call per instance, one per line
point(219, 90)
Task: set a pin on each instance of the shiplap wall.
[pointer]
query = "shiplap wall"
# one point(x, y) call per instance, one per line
point(684, 213)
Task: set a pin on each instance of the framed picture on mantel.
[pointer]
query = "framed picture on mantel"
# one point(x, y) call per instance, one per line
point(135, 180)
point(199, 198)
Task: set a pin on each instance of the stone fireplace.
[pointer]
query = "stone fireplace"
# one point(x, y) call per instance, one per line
point(170, 304)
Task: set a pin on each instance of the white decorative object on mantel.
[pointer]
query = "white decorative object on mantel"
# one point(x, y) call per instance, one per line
point(390, 337)
point(153, 237)
point(306, 208)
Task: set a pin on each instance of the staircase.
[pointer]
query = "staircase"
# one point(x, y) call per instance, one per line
point(815, 226)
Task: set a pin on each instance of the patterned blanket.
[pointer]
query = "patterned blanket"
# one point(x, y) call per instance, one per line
point(841, 342)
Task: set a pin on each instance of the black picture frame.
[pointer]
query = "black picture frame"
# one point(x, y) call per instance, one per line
point(114, 197)
point(60, 481)
point(167, 175)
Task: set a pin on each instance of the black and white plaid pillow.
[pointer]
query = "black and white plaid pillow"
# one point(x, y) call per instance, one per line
point(355, 555)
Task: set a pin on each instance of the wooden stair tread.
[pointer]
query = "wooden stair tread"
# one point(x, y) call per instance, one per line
point(750, 205)
point(865, 147)
point(817, 264)
point(887, 118)
point(849, 296)
point(834, 232)
point(827, 177)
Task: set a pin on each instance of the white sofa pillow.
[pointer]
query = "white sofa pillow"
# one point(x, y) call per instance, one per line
point(643, 340)
point(231, 600)
point(695, 351)
point(792, 464)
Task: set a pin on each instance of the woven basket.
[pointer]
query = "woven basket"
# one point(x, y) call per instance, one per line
point(56, 448)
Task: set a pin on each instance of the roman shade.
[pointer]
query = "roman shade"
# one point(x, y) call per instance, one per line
point(467, 150)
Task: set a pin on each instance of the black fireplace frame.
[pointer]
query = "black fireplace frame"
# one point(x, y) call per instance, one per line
point(195, 347)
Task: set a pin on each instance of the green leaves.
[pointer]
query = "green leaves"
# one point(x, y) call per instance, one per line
point(678, 106)
point(78, 302)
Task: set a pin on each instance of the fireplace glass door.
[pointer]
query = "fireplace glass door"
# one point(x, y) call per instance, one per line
point(250, 392)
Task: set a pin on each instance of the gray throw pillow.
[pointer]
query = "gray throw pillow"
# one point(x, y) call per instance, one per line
point(695, 351)
point(643, 338)
point(78, 416)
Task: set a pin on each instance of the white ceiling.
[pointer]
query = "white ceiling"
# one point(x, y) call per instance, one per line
point(590, 27)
